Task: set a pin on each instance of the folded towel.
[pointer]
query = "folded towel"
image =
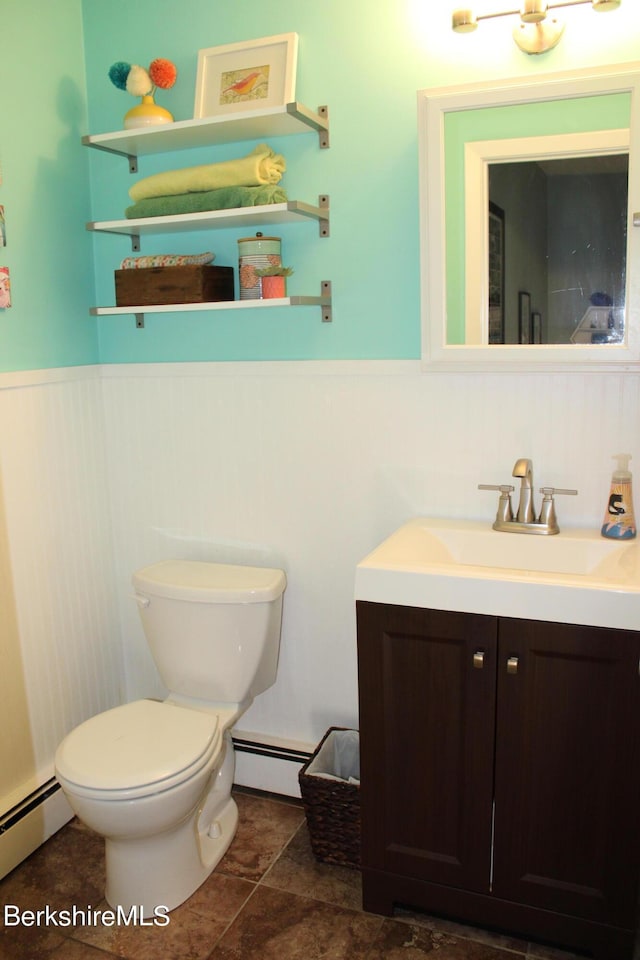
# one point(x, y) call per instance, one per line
point(226, 198)
point(261, 166)
point(167, 260)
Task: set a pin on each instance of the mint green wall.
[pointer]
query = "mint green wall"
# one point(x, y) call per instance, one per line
point(366, 60)
point(45, 187)
point(357, 59)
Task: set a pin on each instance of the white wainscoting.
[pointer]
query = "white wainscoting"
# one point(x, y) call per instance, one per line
point(56, 508)
point(301, 465)
point(309, 465)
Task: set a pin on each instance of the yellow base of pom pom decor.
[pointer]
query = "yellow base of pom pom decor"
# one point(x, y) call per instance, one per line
point(146, 114)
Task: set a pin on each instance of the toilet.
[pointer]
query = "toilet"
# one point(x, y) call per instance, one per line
point(154, 777)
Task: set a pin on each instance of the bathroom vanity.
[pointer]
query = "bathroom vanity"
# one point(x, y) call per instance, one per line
point(500, 753)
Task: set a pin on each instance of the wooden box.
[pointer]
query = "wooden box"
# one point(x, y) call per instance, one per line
point(186, 284)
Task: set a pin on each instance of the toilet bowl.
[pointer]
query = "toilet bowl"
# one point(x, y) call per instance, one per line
point(155, 777)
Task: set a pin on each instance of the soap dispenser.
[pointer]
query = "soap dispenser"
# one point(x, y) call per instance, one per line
point(619, 522)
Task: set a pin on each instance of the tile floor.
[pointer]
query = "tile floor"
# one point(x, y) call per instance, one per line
point(267, 900)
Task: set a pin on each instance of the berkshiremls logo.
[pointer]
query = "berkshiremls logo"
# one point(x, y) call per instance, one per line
point(85, 916)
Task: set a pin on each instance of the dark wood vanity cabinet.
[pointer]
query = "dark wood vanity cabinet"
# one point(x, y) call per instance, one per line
point(501, 773)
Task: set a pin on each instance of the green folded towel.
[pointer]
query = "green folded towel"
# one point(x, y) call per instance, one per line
point(261, 166)
point(227, 198)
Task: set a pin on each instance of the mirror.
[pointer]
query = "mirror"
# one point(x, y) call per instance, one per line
point(529, 256)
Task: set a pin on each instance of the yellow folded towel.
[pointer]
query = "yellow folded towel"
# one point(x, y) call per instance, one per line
point(261, 166)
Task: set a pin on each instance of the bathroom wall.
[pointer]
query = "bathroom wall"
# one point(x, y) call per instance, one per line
point(367, 70)
point(299, 443)
point(271, 438)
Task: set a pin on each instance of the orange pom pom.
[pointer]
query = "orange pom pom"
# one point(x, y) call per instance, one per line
point(163, 73)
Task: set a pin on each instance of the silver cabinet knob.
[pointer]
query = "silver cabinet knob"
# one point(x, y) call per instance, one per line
point(478, 659)
point(512, 665)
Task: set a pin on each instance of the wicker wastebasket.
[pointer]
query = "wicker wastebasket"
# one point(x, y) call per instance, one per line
point(330, 790)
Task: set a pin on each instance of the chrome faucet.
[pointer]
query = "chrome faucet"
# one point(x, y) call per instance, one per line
point(524, 520)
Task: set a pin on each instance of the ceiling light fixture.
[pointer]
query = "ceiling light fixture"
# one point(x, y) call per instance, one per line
point(536, 32)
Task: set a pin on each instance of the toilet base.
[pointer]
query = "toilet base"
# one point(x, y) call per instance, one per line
point(163, 871)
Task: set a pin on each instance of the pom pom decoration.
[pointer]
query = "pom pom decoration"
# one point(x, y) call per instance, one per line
point(118, 74)
point(139, 82)
point(163, 73)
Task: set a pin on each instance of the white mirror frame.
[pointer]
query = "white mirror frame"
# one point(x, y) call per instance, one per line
point(433, 105)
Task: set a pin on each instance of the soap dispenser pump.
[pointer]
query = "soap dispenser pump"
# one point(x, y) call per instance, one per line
point(619, 522)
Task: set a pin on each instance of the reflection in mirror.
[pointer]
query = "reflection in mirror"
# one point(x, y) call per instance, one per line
point(535, 199)
point(557, 231)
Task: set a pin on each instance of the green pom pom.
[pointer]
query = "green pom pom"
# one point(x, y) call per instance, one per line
point(118, 74)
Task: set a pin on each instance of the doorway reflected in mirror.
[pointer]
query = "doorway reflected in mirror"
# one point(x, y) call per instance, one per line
point(563, 225)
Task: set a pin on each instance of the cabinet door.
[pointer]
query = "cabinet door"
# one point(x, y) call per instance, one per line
point(567, 769)
point(427, 714)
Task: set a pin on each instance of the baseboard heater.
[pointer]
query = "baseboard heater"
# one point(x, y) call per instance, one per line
point(25, 825)
point(28, 804)
point(275, 752)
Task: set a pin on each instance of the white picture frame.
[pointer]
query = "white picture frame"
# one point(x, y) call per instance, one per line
point(253, 75)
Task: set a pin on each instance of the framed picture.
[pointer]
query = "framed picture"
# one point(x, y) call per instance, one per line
point(246, 76)
point(536, 327)
point(524, 316)
point(496, 274)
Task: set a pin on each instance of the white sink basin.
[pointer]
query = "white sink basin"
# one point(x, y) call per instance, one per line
point(576, 576)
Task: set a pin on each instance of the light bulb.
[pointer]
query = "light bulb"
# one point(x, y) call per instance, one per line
point(603, 6)
point(533, 11)
point(463, 20)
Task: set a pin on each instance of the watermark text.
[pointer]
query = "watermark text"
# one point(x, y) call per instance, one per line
point(88, 916)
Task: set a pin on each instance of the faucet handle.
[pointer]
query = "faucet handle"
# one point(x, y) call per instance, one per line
point(549, 492)
point(548, 510)
point(505, 511)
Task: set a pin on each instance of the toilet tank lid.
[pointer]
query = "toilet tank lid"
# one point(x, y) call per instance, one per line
point(203, 582)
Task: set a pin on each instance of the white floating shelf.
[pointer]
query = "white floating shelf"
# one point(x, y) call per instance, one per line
point(271, 213)
point(323, 301)
point(289, 119)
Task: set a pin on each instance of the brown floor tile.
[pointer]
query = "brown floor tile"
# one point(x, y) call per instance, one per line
point(187, 936)
point(280, 926)
point(191, 933)
point(29, 943)
point(265, 826)
point(297, 871)
point(399, 940)
point(464, 931)
point(72, 950)
point(68, 869)
point(219, 898)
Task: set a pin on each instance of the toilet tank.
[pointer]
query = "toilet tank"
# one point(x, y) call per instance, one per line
point(213, 628)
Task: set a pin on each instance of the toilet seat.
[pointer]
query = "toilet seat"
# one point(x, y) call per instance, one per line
point(136, 750)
